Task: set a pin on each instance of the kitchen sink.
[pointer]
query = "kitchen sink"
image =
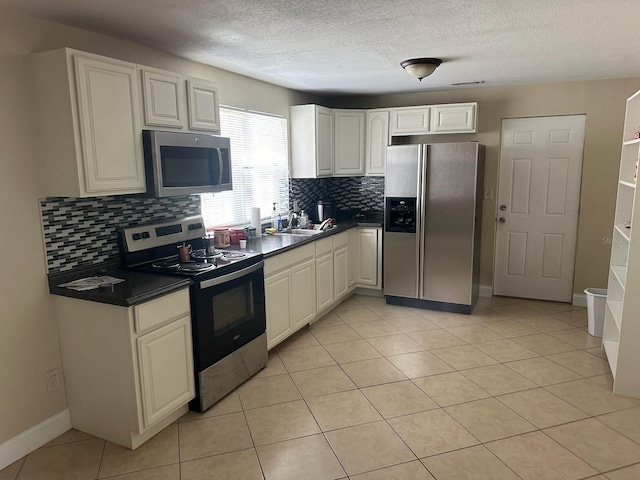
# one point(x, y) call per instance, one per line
point(301, 232)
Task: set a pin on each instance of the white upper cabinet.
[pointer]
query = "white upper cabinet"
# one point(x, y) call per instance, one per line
point(377, 141)
point(456, 118)
point(204, 108)
point(349, 142)
point(89, 117)
point(410, 120)
point(434, 119)
point(163, 98)
point(311, 141)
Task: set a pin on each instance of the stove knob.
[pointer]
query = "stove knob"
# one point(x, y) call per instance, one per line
point(145, 235)
point(136, 236)
point(198, 225)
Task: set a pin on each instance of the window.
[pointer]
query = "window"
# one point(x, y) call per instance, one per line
point(259, 166)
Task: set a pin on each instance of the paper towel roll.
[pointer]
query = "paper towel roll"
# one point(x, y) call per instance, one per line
point(255, 220)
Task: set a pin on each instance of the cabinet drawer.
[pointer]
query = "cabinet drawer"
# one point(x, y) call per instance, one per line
point(156, 312)
point(323, 246)
point(340, 240)
point(288, 259)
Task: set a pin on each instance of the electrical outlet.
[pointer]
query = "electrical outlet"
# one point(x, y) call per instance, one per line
point(488, 193)
point(53, 380)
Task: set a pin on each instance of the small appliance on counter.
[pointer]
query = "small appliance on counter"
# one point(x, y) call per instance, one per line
point(325, 209)
point(227, 298)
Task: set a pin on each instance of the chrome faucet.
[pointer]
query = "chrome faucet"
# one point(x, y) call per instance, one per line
point(292, 220)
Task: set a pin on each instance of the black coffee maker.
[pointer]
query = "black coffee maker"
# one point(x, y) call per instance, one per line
point(325, 209)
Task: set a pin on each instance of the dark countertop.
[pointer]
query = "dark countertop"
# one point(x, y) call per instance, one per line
point(141, 287)
point(270, 245)
point(137, 287)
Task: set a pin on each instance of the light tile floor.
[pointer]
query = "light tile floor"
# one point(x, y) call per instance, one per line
point(517, 390)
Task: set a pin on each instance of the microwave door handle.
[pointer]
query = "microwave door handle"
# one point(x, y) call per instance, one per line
point(219, 165)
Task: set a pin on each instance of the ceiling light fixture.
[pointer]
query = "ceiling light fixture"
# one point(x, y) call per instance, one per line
point(420, 67)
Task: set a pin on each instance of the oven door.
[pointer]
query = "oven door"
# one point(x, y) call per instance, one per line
point(227, 313)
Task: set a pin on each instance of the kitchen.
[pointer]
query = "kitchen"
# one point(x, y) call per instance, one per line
point(29, 345)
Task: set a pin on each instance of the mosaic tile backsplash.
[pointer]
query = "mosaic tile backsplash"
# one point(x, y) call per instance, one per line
point(82, 231)
point(349, 193)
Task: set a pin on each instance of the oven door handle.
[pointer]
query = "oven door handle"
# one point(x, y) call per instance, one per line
point(231, 276)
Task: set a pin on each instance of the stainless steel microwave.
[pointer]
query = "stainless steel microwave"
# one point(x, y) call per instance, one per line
point(185, 163)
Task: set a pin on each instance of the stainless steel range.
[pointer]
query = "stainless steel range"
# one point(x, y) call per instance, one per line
point(227, 300)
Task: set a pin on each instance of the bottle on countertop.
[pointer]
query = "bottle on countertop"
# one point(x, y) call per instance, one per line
point(279, 224)
point(304, 219)
point(274, 217)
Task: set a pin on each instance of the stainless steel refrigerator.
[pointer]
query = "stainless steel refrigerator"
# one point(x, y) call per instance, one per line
point(433, 209)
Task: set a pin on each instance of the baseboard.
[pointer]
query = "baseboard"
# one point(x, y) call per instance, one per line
point(579, 300)
point(486, 291)
point(26, 442)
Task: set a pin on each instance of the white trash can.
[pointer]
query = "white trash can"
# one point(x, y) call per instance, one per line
point(596, 302)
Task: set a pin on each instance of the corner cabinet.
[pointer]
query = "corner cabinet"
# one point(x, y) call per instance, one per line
point(621, 334)
point(311, 141)
point(128, 371)
point(349, 142)
point(89, 119)
point(377, 140)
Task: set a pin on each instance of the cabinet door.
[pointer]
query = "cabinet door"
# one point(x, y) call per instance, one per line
point(324, 142)
point(303, 293)
point(277, 289)
point(377, 141)
point(456, 118)
point(349, 142)
point(367, 256)
point(340, 269)
point(108, 105)
point(163, 98)
point(204, 110)
point(410, 120)
point(352, 255)
point(324, 281)
point(166, 369)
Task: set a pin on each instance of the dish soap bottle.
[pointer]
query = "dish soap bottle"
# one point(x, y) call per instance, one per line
point(304, 219)
point(274, 217)
point(279, 223)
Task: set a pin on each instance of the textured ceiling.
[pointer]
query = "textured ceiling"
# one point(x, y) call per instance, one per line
point(355, 46)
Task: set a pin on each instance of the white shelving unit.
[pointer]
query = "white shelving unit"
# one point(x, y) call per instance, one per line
point(621, 336)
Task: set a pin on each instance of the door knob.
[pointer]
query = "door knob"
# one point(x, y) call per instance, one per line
point(503, 207)
point(502, 220)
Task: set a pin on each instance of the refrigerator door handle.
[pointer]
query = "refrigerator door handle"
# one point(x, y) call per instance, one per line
point(421, 216)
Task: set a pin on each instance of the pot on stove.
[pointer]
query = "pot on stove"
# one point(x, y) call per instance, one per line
point(209, 244)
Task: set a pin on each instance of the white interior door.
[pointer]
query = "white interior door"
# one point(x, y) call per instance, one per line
point(538, 203)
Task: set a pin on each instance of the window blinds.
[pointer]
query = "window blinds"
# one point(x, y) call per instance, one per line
point(259, 166)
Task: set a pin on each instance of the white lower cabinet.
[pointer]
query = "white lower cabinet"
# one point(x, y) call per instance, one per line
point(324, 281)
point(352, 244)
point(277, 289)
point(368, 260)
point(128, 372)
point(164, 355)
point(304, 283)
point(290, 292)
point(303, 293)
